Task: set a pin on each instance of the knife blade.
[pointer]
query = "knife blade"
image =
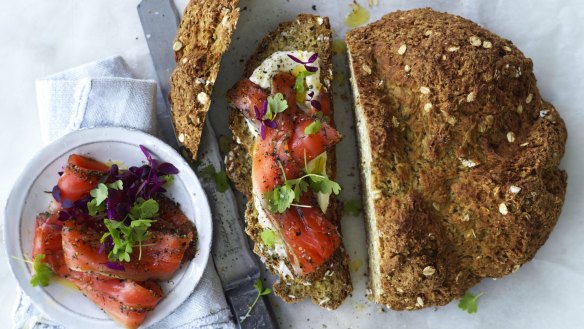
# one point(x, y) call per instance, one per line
point(236, 265)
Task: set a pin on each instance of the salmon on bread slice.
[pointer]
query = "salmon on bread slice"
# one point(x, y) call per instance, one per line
point(303, 271)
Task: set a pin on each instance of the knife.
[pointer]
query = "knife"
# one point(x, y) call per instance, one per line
point(236, 265)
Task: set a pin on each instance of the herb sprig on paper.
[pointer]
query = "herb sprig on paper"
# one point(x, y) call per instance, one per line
point(469, 302)
point(258, 285)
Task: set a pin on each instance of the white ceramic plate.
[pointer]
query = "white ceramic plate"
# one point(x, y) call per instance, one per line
point(28, 198)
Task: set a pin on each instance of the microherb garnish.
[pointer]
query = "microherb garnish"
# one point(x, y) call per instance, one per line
point(269, 238)
point(352, 207)
point(313, 128)
point(469, 302)
point(300, 85)
point(219, 177)
point(270, 108)
point(125, 236)
point(100, 194)
point(42, 271)
point(261, 292)
point(281, 198)
point(276, 104)
point(310, 60)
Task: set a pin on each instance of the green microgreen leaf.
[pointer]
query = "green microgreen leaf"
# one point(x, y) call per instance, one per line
point(93, 208)
point(299, 84)
point(352, 207)
point(269, 238)
point(42, 272)
point(469, 302)
point(117, 185)
point(125, 237)
point(220, 177)
point(258, 285)
point(168, 180)
point(282, 197)
point(99, 193)
point(313, 128)
point(276, 104)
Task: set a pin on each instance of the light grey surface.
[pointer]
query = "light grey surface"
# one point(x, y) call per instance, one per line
point(545, 293)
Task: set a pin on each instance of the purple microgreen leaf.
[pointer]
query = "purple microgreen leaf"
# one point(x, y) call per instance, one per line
point(312, 58)
point(316, 104)
point(311, 68)
point(310, 94)
point(64, 215)
point(264, 108)
point(263, 130)
point(294, 58)
point(146, 153)
point(56, 193)
point(66, 204)
point(257, 113)
point(271, 124)
point(115, 266)
point(60, 173)
point(166, 169)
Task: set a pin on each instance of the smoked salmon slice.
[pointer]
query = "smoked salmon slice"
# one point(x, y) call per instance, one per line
point(161, 256)
point(309, 236)
point(127, 302)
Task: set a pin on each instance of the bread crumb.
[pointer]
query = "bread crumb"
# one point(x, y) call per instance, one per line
point(503, 209)
point(507, 48)
point(487, 44)
point(428, 33)
point(402, 49)
point(470, 97)
point(425, 90)
point(407, 68)
point(319, 20)
point(181, 138)
point(453, 48)
point(519, 109)
point(419, 302)
point(529, 98)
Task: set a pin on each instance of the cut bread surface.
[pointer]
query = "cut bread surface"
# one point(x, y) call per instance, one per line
point(462, 181)
point(203, 36)
point(330, 284)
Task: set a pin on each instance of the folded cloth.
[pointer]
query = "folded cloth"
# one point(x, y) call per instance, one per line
point(99, 94)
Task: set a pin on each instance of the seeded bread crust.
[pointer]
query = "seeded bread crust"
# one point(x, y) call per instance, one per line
point(464, 163)
point(331, 283)
point(203, 36)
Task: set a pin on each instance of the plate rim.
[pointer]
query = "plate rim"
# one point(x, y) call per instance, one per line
point(18, 196)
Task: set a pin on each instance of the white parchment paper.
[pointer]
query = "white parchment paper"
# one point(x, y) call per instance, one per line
point(545, 293)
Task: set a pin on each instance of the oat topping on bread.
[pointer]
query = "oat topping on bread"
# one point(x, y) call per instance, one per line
point(459, 156)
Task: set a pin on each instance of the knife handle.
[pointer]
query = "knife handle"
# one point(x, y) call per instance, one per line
point(240, 298)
